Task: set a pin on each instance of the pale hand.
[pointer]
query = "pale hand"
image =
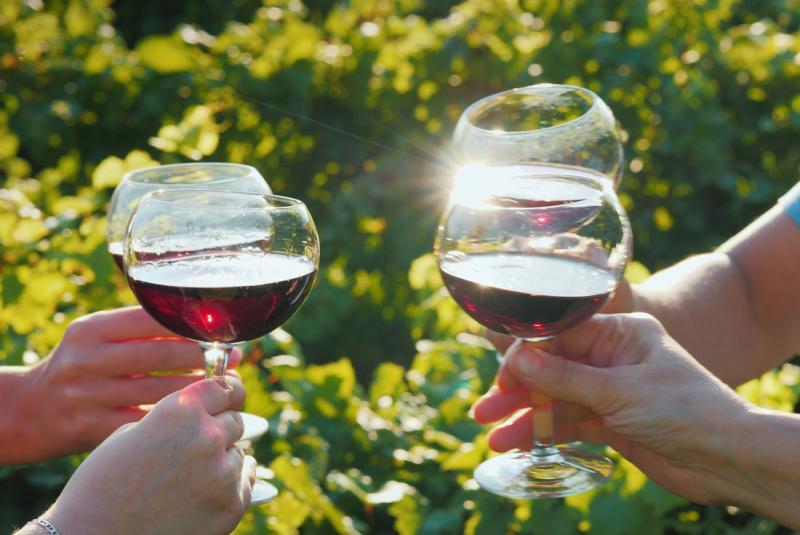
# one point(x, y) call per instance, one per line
point(178, 470)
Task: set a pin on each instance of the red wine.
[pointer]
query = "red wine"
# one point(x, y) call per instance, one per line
point(525, 295)
point(223, 297)
point(115, 249)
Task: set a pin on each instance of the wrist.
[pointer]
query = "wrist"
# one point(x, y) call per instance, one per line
point(70, 515)
point(759, 470)
point(64, 521)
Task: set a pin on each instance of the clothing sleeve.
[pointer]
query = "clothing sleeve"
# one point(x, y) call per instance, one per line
point(791, 203)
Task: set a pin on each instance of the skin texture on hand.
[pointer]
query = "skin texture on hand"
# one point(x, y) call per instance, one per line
point(176, 471)
point(622, 381)
point(744, 294)
point(94, 381)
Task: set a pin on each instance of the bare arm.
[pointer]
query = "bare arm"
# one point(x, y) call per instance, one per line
point(737, 310)
point(16, 435)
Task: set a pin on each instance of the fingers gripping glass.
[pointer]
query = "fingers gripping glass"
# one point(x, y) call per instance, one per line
point(220, 267)
point(530, 259)
point(546, 128)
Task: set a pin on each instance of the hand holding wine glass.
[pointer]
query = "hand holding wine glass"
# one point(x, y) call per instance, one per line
point(219, 267)
point(95, 380)
point(628, 371)
point(531, 261)
point(178, 470)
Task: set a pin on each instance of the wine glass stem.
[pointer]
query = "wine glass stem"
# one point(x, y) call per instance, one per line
point(216, 356)
point(543, 449)
point(542, 414)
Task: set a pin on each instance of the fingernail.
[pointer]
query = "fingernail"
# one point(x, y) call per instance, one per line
point(526, 362)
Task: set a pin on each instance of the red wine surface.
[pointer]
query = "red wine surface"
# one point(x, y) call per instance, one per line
point(525, 295)
point(223, 297)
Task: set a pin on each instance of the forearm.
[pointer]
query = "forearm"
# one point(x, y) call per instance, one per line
point(18, 443)
point(736, 309)
point(704, 304)
point(760, 468)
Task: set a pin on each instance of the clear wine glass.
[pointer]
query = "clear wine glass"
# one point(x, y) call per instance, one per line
point(530, 261)
point(220, 267)
point(198, 175)
point(540, 129)
point(216, 176)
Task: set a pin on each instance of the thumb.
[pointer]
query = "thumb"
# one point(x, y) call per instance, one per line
point(559, 378)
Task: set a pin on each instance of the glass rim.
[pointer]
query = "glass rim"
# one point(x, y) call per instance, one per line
point(130, 175)
point(596, 100)
point(155, 196)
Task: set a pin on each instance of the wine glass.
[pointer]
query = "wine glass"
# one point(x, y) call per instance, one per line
point(530, 261)
point(220, 267)
point(198, 175)
point(540, 129)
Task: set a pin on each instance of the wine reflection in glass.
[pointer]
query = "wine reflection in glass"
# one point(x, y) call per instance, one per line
point(221, 267)
point(213, 176)
point(541, 129)
point(530, 262)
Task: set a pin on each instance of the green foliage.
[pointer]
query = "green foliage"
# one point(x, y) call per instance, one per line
point(349, 105)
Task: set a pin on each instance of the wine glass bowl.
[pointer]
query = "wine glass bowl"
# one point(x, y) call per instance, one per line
point(198, 175)
point(531, 257)
point(549, 127)
point(220, 267)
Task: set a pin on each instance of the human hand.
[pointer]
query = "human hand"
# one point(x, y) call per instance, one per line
point(626, 383)
point(178, 470)
point(96, 379)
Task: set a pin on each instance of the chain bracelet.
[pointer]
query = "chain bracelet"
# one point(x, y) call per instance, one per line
point(50, 528)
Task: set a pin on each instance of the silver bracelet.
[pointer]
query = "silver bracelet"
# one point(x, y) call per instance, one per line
point(50, 528)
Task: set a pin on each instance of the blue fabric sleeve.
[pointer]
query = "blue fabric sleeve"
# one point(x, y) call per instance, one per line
point(791, 203)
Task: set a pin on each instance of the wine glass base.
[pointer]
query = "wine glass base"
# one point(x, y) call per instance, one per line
point(519, 474)
point(263, 492)
point(254, 426)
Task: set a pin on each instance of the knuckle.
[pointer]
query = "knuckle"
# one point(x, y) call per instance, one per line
point(69, 365)
point(175, 408)
point(214, 438)
point(79, 328)
point(73, 396)
point(74, 330)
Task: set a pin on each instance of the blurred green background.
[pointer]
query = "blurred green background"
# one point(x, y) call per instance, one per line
point(349, 105)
